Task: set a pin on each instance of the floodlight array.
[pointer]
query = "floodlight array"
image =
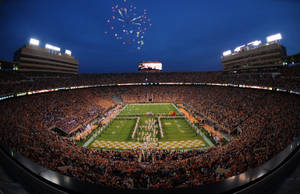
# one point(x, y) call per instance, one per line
point(254, 43)
point(51, 47)
point(226, 53)
point(274, 37)
point(270, 39)
point(238, 49)
point(34, 42)
point(68, 52)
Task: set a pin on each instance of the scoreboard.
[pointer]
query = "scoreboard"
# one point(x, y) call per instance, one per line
point(150, 66)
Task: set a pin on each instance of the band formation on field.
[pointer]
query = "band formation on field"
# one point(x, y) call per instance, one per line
point(149, 125)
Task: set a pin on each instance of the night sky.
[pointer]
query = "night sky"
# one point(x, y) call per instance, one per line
point(185, 35)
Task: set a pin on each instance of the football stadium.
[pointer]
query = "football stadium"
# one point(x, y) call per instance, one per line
point(150, 136)
point(129, 112)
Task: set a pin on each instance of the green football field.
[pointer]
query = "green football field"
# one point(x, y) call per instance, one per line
point(118, 130)
point(177, 131)
point(158, 108)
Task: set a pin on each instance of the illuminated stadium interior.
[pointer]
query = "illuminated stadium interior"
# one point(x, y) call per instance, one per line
point(127, 96)
point(235, 127)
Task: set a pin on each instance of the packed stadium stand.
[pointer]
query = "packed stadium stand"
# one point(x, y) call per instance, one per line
point(261, 124)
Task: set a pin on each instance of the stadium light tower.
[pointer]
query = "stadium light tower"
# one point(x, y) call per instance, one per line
point(51, 47)
point(226, 53)
point(274, 38)
point(68, 52)
point(34, 42)
point(238, 49)
point(254, 43)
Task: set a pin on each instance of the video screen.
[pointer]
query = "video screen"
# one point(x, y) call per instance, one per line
point(150, 66)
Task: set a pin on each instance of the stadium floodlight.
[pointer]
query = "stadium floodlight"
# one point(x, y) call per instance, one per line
point(226, 53)
point(51, 47)
point(34, 42)
point(254, 43)
point(68, 52)
point(274, 37)
point(238, 49)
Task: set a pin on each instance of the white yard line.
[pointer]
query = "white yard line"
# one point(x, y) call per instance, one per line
point(160, 128)
point(135, 128)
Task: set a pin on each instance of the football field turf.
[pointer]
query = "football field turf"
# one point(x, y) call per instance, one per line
point(178, 134)
point(157, 108)
point(118, 130)
point(177, 129)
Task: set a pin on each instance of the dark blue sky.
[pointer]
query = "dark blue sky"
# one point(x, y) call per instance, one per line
point(186, 35)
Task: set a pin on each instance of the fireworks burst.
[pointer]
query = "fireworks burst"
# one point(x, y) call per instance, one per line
point(128, 24)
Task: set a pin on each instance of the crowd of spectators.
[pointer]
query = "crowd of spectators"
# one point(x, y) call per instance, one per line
point(13, 82)
point(268, 121)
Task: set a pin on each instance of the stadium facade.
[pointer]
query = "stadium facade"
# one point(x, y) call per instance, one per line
point(32, 58)
point(268, 57)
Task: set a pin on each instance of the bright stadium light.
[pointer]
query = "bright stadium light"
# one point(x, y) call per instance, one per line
point(34, 42)
point(68, 52)
point(254, 43)
point(226, 53)
point(238, 49)
point(51, 47)
point(274, 37)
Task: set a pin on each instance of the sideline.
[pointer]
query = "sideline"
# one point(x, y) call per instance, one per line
point(89, 141)
point(198, 131)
